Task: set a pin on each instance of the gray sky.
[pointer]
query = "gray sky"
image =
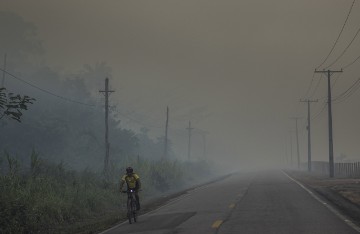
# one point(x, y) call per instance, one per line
point(237, 69)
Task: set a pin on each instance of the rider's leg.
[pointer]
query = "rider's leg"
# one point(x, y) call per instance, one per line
point(137, 200)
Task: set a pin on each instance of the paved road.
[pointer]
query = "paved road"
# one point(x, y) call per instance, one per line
point(243, 203)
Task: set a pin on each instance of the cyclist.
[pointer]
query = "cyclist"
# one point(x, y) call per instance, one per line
point(133, 182)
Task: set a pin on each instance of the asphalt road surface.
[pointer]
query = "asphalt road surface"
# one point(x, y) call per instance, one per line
point(266, 202)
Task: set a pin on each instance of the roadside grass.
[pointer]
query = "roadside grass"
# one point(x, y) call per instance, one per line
point(49, 198)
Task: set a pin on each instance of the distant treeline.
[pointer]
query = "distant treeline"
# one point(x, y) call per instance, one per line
point(73, 133)
point(66, 122)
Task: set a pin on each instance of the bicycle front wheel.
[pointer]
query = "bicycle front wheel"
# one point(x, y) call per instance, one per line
point(134, 210)
point(129, 211)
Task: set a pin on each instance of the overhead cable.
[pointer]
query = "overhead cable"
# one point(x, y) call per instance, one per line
point(337, 39)
point(350, 64)
point(312, 80)
point(45, 91)
point(335, 81)
point(321, 111)
point(347, 93)
point(344, 51)
point(316, 87)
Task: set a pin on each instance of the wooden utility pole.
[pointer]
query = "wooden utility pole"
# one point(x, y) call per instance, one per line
point(291, 150)
point(189, 143)
point(204, 142)
point(4, 72)
point(203, 133)
point(286, 152)
point(331, 150)
point(297, 141)
point(107, 144)
point(166, 133)
point(309, 131)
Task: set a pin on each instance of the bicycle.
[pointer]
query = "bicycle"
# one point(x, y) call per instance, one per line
point(131, 205)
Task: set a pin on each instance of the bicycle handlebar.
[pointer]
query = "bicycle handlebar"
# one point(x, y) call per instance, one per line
point(130, 191)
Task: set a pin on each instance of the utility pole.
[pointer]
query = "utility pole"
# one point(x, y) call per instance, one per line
point(331, 150)
point(3, 78)
point(309, 131)
point(189, 143)
point(297, 141)
point(286, 160)
point(107, 145)
point(204, 141)
point(203, 133)
point(166, 133)
point(291, 149)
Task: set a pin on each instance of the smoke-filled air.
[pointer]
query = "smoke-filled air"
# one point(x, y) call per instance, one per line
point(179, 96)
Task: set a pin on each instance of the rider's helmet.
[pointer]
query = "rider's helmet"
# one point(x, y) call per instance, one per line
point(129, 170)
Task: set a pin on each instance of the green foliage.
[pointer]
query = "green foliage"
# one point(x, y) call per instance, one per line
point(36, 163)
point(12, 105)
point(13, 164)
point(48, 198)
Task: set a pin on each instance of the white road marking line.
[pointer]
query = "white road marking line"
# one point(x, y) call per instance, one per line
point(332, 209)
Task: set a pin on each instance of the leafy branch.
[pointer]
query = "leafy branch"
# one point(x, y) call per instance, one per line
point(12, 105)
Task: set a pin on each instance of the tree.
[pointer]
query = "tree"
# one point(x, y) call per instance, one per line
point(12, 105)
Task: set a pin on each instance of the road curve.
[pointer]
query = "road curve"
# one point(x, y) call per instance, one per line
point(266, 202)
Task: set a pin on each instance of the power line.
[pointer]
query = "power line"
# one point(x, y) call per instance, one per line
point(47, 92)
point(324, 104)
point(350, 64)
point(312, 80)
point(344, 51)
point(316, 87)
point(318, 84)
point(335, 81)
point(337, 39)
point(347, 93)
point(321, 111)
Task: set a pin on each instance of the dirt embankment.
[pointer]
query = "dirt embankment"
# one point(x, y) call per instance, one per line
point(343, 193)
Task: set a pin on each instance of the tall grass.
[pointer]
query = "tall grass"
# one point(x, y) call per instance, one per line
point(49, 198)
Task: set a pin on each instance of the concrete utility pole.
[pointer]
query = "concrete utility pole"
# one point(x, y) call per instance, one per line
point(297, 141)
point(331, 150)
point(309, 131)
point(166, 133)
point(3, 78)
point(107, 145)
point(189, 143)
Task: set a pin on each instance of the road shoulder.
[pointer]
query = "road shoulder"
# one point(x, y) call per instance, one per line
point(342, 193)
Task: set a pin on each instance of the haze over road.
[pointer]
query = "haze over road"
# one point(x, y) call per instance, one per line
point(242, 203)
